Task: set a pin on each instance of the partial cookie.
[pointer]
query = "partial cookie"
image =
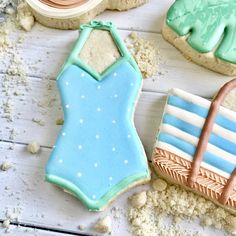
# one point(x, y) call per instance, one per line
point(98, 153)
point(196, 145)
point(71, 14)
point(230, 100)
point(204, 31)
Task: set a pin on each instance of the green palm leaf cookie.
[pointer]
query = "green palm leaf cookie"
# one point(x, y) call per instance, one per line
point(210, 26)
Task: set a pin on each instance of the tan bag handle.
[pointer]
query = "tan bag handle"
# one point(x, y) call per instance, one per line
point(204, 138)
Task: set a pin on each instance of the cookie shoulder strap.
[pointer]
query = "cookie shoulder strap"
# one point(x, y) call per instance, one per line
point(85, 31)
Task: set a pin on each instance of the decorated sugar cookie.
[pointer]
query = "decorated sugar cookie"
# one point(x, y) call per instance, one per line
point(205, 32)
point(98, 153)
point(70, 14)
point(196, 145)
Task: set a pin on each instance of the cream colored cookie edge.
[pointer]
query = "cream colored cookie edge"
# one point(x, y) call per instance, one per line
point(207, 60)
point(75, 22)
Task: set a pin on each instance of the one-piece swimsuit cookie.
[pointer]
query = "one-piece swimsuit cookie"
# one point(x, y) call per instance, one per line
point(98, 153)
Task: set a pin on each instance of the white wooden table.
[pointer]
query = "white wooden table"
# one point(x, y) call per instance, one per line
point(42, 205)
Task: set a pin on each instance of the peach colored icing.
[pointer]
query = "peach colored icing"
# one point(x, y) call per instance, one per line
point(63, 4)
point(228, 189)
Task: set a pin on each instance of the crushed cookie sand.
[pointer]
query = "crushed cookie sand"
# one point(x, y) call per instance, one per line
point(11, 216)
point(81, 227)
point(5, 166)
point(159, 184)
point(25, 17)
point(138, 200)
point(171, 200)
point(38, 121)
point(33, 148)
point(6, 224)
point(103, 225)
point(8, 6)
point(59, 121)
point(145, 54)
point(14, 77)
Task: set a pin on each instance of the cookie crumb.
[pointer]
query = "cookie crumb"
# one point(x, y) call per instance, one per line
point(159, 185)
point(59, 121)
point(33, 147)
point(38, 121)
point(103, 225)
point(177, 204)
point(6, 223)
point(145, 54)
point(81, 227)
point(206, 221)
point(5, 166)
point(25, 17)
point(139, 199)
point(231, 222)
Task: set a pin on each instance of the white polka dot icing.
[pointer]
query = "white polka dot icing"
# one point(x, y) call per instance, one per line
point(96, 144)
point(126, 162)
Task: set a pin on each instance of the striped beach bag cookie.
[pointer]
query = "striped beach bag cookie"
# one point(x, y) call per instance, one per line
point(196, 145)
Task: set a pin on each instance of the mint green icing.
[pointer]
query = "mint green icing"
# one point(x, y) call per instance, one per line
point(211, 25)
point(99, 204)
point(85, 31)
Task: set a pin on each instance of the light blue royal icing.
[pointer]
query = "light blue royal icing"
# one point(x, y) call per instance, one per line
point(218, 141)
point(214, 139)
point(201, 111)
point(98, 153)
point(190, 149)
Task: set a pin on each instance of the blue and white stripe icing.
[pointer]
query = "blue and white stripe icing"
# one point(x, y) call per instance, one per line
point(182, 122)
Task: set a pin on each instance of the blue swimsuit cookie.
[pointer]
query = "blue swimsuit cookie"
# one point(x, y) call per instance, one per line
point(98, 153)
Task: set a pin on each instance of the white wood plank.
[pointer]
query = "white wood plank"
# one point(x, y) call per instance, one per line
point(148, 17)
point(43, 204)
point(173, 69)
point(43, 51)
point(26, 231)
